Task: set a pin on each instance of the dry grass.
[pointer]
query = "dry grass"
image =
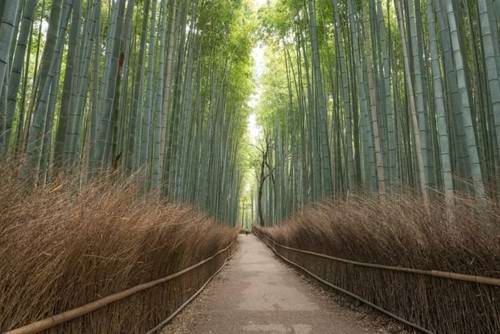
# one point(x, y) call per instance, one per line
point(398, 231)
point(61, 248)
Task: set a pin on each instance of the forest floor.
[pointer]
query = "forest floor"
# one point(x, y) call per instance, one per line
point(257, 293)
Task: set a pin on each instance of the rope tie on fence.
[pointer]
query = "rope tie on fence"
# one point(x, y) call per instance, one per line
point(80, 311)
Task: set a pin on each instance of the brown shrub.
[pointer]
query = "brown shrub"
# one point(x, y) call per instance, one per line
point(398, 231)
point(61, 248)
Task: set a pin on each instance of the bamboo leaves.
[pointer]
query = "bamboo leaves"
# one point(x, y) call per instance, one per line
point(163, 93)
point(412, 98)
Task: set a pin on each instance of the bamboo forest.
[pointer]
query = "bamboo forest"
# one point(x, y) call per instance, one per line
point(250, 166)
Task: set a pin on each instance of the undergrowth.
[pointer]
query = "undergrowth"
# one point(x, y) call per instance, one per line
point(398, 230)
point(63, 245)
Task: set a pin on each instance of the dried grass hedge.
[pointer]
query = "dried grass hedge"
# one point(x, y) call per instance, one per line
point(398, 231)
point(61, 248)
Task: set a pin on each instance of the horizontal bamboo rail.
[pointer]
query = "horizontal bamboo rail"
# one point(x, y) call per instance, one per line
point(433, 273)
point(80, 311)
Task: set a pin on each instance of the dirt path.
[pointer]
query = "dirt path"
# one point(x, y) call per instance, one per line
point(256, 293)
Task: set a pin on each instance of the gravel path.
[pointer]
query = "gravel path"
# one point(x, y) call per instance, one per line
point(257, 293)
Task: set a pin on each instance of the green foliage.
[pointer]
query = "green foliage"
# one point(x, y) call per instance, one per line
point(390, 126)
point(153, 85)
